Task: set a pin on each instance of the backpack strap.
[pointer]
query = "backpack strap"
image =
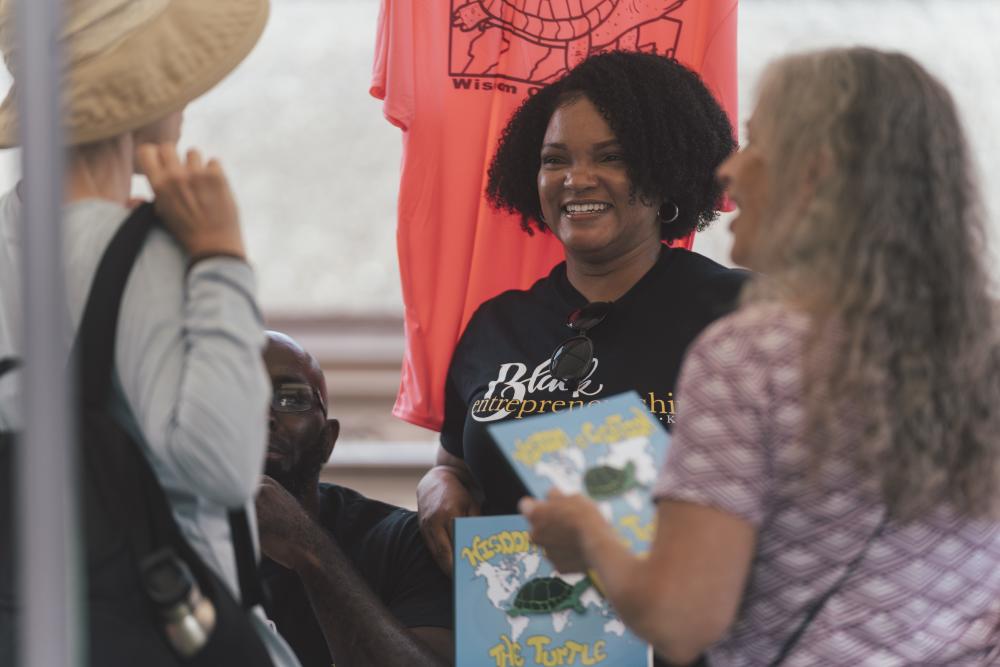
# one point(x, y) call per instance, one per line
point(817, 606)
point(95, 340)
point(8, 364)
point(251, 590)
point(95, 350)
point(117, 481)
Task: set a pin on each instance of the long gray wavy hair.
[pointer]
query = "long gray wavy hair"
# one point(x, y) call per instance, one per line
point(886, 249)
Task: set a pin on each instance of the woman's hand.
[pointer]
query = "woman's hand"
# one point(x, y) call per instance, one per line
point(194, 200)
point(559, 525)
point(442, 497)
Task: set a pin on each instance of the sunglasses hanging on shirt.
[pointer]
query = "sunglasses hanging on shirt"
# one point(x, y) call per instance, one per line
point(571, 361)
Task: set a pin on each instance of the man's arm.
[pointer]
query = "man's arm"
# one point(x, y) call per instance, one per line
point(439, 640)
point(359, 630)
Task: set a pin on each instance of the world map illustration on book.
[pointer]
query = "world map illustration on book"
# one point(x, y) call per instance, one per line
point(512, 608)
point(610, 451)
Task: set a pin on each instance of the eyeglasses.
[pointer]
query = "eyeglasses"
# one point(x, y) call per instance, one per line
point(293, 397)
point(571, 361)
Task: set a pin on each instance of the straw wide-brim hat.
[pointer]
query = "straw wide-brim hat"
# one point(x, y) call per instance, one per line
point(128, 63)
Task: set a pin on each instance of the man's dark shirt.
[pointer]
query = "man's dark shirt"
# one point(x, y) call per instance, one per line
point(384, 544)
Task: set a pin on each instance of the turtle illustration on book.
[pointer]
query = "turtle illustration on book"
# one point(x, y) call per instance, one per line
point(604, 482)
point(547, 595)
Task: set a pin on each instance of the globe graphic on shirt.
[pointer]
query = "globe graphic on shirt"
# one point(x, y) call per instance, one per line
point(504, 577)
point(539, 40)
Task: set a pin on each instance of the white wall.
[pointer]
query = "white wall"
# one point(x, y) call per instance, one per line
point(316, 166)
point(957, 40)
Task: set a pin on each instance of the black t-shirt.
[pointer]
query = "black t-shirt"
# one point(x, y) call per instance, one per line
point(500, 368)
point(384, 544)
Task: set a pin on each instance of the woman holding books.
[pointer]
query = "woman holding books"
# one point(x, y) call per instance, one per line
point(613, 159)
point(831, 492)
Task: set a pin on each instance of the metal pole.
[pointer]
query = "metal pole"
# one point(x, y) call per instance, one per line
point(49, 631)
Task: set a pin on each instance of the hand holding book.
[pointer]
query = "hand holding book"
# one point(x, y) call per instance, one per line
point(560, 524)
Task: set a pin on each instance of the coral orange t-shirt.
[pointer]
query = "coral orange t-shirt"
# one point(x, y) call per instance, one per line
point(450, 73)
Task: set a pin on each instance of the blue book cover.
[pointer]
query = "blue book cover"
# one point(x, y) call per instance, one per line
point(512, 609)
point(611, 451)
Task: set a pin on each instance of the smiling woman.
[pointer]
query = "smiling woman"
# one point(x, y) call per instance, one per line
point(669, 135)
point(586, 197)
point(612, 159)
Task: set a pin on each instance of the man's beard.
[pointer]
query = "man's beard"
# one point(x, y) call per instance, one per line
point(299, 477)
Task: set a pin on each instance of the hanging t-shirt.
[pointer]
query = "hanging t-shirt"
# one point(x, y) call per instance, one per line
point(450, 73)
point(501, 366)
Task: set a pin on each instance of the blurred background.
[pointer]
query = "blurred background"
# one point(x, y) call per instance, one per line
point(315, 167)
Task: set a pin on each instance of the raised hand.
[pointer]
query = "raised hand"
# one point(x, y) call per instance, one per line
point(287, 532)
point(441, 498)
point(193, 199)
point(559, 525)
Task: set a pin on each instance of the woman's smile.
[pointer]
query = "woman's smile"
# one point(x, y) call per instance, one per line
point(585, 211)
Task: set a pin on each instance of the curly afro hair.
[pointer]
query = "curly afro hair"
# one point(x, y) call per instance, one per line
point(673, 133)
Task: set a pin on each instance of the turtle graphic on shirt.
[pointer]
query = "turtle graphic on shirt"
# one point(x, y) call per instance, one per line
point(556, 35)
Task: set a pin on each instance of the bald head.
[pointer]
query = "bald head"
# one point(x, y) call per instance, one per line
point(286, 359)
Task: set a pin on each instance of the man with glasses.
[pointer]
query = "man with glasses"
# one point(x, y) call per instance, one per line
point(350, 579)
